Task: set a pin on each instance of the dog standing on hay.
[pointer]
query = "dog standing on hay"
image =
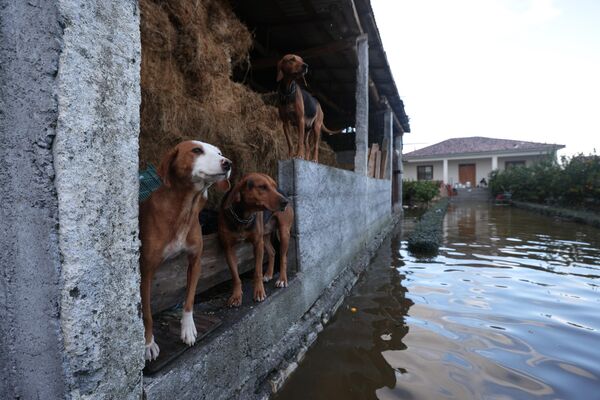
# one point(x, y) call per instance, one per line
point(251, 211)
point(169, 224)
point(299, 108)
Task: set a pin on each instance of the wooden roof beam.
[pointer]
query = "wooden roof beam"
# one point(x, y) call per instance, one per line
point(306, 54)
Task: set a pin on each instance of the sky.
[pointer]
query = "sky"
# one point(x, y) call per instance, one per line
point(511, 69)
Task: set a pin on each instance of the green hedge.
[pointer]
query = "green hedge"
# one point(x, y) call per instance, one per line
point(419, 191)
point(575, 182)
point(427, 235)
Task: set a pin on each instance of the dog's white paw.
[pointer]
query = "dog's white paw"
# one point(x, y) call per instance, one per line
point(188, 328)
point(267, 278)
point(281, 283)
point(152, 350)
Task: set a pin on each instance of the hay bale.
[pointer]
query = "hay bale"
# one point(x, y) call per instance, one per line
point(189, 48)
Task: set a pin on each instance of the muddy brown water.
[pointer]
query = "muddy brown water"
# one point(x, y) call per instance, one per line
point(510, 309)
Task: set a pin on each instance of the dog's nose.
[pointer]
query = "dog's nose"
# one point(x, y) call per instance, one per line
point(225, 164)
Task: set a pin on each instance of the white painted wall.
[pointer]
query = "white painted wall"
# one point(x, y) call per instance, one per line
point(483, 167)
point(410, 170)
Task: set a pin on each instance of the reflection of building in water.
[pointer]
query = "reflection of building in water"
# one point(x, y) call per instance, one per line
point(469, 223)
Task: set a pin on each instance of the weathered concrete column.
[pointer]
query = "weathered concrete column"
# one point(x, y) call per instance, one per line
point(397, 185)
point(69, 126)
point(362, 106)
point(388, 138)
point(445, 169)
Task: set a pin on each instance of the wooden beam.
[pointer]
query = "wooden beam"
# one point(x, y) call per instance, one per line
point(332, 47)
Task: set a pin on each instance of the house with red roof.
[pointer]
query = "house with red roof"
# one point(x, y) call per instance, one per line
point(466, 161)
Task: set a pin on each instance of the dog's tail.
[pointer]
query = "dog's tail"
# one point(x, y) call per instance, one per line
point(329, 131)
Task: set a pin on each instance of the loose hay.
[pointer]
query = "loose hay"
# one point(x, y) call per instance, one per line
point(189, 48)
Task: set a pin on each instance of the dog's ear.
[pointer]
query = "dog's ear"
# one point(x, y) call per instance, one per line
point(233, 196)
point(164, 169)
point(279, 71)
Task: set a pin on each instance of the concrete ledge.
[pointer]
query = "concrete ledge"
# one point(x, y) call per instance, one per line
point(583, 217)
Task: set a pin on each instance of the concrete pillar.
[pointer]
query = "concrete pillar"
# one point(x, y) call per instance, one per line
point(397, 177)
point(494, 163)
point(445, 169)
point(362, 106)
point(388, 141)
point(69, 126)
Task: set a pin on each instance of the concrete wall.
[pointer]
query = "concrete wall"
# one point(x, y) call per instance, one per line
point(69, 288)
point(339, 216)
point(337, 212)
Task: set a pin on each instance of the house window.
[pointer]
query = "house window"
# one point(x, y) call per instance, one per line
point(425, 172)
point(514, 164)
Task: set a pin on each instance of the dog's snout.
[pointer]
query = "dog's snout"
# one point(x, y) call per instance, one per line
point(226, 164)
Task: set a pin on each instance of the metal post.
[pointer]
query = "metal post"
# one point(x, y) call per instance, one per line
point(362, 106)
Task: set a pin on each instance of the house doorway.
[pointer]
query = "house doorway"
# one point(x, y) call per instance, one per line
point(466, 173)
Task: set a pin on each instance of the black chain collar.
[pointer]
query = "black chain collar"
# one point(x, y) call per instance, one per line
point(286, 95)
point(240, 220)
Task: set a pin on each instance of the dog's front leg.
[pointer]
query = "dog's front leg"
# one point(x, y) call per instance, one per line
point(188, 327)
point(235, 300)
point(288, 138)
point(152, 349)
point(284, 239)
point(301, 138)
point(271, 258)
point(259, 251)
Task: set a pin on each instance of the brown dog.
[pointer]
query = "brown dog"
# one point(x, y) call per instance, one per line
point(169, 224)
point(241, 218)
point(298, 108)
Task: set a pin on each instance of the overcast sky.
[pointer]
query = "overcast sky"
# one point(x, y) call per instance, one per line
point(512, 69)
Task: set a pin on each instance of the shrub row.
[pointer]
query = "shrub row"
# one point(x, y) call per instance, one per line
point(419, 191)
point(575, 182)
point(427, 235)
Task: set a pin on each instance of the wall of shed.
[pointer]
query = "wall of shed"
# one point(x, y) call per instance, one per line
point(69, 290)
point(340, 217)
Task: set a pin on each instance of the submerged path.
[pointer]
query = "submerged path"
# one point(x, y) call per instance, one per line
point(508, 310)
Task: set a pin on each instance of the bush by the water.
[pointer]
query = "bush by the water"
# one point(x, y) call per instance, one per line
point(419, 191)
point(575, 182)
point(427, 235)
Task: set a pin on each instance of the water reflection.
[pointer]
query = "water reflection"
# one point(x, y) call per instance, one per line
point(507, 310)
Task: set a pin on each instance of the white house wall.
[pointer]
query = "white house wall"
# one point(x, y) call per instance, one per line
point(483, 167)
point(410, 170)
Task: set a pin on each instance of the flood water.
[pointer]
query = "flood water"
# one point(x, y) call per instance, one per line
point(510, 309)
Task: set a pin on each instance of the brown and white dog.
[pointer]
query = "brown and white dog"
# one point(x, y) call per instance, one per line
point(241, 218)
point(299, 108)
point(169, 224)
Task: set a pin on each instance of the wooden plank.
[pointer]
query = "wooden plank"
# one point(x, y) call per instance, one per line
point(372, 154)
point(331, 47)
point(168, 287)
point(167, 329)
point(384, 164)
point(377, 164)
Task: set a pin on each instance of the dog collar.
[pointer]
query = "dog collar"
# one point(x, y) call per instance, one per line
point(287, 96)
point(240, 220)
